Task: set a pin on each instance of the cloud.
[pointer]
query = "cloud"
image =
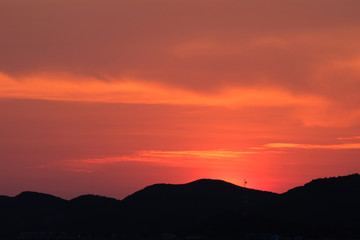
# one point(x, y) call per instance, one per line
point(199, 45)
point(283, 53)
point(348, 138)
point(142, 92)
point(187, 159)
point(314, 146)
point(184, 158)
point(309, 108)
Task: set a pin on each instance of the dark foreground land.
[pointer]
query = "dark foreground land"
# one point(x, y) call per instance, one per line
point(326, 208)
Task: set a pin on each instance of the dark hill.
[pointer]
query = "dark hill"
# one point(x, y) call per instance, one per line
point(326, 187)
point(331, 196)
point(35, 199)
point(30, 211)
point(168, 206)
point(98, 213)
point(204, 191)
point(322, 207)
point(4, 200)
point(92, 201)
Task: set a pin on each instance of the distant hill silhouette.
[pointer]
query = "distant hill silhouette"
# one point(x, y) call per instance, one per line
point(211, 207)
point(336, 196)
point(168, 206)
point(324, 205)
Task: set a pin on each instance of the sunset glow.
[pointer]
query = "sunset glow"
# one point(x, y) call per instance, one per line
point(107, 97)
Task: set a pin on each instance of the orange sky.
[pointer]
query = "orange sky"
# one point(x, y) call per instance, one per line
point(107, 97)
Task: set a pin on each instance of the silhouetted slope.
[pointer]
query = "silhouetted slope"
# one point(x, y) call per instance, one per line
point(37, 200)
point(98, 213)
point(346, 186)
point(4, 199)
point(330, 196)
point(93, 204)
point(204, 193)
point(5, 202)
point(31, 210)
point(323, 205)
point(165, 206)
point(320, 207)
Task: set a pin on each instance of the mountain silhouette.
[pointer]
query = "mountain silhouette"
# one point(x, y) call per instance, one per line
point(30, 211)
point(37, 200)
point(322, 207)
point(336, 196)
point(168, 206)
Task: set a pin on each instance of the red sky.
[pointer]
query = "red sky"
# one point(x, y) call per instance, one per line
point(107, 97)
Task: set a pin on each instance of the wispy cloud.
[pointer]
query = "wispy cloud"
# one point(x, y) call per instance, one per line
point(166, 158)
point(213, 154)
point(174, 157)
point(142, 91)
point(314, 146)
point(348, 138)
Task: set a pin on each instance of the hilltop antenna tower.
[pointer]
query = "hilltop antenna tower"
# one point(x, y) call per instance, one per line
point(245, 200)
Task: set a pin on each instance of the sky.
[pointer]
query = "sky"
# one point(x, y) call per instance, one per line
point(107, 97)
